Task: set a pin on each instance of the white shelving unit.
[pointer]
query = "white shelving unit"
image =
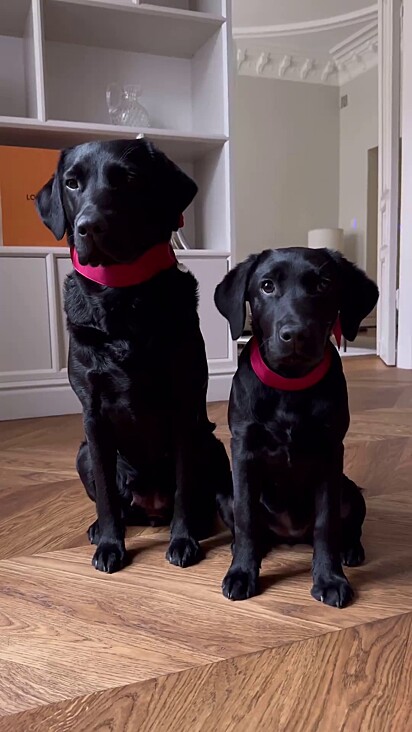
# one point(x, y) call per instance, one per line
point(57, 58)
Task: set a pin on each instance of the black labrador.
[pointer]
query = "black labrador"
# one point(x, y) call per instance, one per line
point(288, 415)
point(137, 358)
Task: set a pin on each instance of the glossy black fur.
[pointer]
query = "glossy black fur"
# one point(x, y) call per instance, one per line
point(287, 447)
point(137, 358)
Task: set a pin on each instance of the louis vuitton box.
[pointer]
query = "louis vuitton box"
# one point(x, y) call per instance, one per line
point(23, 171)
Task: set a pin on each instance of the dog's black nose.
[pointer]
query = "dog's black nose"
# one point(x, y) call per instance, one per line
point(91, 225)
point(291, 334)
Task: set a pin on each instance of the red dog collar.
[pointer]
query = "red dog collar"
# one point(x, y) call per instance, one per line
point(149, 264)
point(274, 380)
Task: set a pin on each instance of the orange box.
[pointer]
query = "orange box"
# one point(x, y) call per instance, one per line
point(23, 171)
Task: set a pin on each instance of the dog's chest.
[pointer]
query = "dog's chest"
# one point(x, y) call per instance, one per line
point(290, 439)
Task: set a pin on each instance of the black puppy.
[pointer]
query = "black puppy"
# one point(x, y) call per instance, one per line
point(288, 414)
point(137, 358)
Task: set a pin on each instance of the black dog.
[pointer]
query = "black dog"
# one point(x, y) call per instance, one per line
point(287, 437)
point(137, 358)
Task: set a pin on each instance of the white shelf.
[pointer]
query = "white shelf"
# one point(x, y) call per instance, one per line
point(144, 28)
point(63, 251)
point(28, 132)
point(57, 58)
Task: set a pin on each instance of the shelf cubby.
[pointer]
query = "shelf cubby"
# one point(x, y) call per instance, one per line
point(19, 78)
point(171, 54)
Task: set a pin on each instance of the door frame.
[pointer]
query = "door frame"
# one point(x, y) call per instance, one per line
point(389, 23)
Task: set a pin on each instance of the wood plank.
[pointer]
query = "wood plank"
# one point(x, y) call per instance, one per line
point(158, 648)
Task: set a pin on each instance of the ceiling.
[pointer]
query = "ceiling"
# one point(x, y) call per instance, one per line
point(276, 12)
point(316, 41)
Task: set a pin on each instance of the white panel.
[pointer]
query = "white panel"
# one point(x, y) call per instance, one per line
point(12, 81)
point(219, 387)
point(38, 50)
point(202, 6)
point(29, 67)
point(209, 272)
point(33, 62)
point(190, 219)
point(208, 6)
point(78, 76)
point(24, 317)
point(13, 15)
point(64, 266)
point(208, 86)
point(213, 201)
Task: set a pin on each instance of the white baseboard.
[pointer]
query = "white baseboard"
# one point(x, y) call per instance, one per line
point(353, 351)
point(38, 401)
point(45, 400)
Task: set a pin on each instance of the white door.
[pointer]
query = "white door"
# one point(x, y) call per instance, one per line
point(388, 183)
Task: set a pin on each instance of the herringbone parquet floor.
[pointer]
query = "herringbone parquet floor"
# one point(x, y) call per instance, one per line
point(157, 648)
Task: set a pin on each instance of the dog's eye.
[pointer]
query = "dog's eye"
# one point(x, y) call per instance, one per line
point(72, 184)
point(323, 285)
point(267, 286)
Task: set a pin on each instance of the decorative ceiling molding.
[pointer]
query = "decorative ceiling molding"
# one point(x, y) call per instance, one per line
point(335, 66)
point(363, 40)
point(308, 26)
point(278, 63)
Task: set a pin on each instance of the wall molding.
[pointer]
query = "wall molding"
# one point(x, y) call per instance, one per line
point(260, 52)
point(288, 65)
point(48, 400)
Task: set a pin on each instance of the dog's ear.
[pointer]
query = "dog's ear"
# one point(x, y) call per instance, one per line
point(231, 295)
point(49, 204)
point(176, 188)
point(180, 190)
point(359, 296)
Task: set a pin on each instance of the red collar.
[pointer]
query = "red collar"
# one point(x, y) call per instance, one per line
point(274, 380)
point(149, 264)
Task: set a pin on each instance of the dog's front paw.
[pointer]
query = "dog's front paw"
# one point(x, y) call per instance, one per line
point(109, 556)
point(184, 552)
point(239, 584)
point(334, 590)
point(93, 533)
point(353, 556)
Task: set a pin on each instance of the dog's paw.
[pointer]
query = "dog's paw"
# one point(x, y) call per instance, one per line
point(184, 552)
point(353, 556)
point(334, 591)
point(239, 584)
point(109, 556)
point(93, 533)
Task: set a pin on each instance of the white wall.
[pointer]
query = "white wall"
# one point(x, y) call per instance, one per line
point(286, 161)
point(358, 134)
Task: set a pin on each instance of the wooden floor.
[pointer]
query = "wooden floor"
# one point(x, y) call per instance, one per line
point(158, 648)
